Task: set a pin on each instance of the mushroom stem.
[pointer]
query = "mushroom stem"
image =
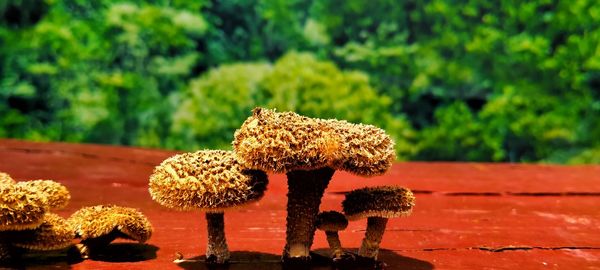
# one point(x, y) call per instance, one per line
point(373, 236)
point(305, 189)
point(334, 244)
point(87, 247)
point(217, 250)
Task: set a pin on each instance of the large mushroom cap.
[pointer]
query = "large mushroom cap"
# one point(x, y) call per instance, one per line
point(386, 202)
point(101, 220)
point(5, 179)
point(211, 180)
point(286, 141)
point(331, 221)
point(54, 233)
point(20, 208)
point(57, 195)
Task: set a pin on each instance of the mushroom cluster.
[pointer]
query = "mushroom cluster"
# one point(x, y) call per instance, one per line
point(26, 223)
point(309, 151)
point(25, 220)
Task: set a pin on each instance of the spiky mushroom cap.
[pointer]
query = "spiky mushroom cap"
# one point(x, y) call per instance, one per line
point(101, 220)
point(385, 202)
point(57, 195)
point(331, 221)
point(211, 180)
point(54, 233)
point(283, 142)
point(5, 179)
point(20, 208)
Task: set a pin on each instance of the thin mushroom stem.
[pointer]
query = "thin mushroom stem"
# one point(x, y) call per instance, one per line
point(217, 250)
point(305, 190)
point(334, 244)
point(373, 236)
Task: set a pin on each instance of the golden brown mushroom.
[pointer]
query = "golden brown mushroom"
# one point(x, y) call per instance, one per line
point(210, 180)
point(57, 195)
point(99, 225)
point(309, 151)
point(20, 208)
point(332, 222)
point(377, 204)
point(54, 233)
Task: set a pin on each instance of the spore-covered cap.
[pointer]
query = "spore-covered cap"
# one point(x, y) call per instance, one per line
point(96, 221)
point(211, 180)
point(20, 208)
point(286, 141)
point(54, 233)
point(331, 221)
point(385, 201)
point(57, 195)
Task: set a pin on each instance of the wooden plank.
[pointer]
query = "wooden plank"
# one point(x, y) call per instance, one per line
point(467, 215)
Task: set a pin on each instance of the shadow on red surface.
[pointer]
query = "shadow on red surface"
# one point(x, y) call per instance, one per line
point(249, 260)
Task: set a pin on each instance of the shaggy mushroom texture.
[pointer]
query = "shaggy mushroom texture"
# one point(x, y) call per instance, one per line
point(57, 196)
point(332, 222)
point(99, 225)
point(209, 180)
point(20, 208)
point(377, 204)
point(54, 233)
point(5, 179)
point(309, 150)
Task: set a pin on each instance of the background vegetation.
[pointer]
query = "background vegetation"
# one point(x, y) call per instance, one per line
point(473, 80)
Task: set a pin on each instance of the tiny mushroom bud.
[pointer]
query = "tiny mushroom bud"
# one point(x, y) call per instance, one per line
point(309, 150)
point(54, 233)
point(209, 180)
point(331, 222)
point(57, 195)
point(99, 225)
point(377, 204)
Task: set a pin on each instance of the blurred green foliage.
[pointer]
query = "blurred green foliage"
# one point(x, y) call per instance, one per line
point(474, 80)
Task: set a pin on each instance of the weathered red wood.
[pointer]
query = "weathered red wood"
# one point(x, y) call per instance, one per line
point(495, 216)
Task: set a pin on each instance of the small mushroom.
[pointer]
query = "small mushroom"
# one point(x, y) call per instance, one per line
point(209, 180)
point(377, 204)
point(98, 226)
point(309, 151)
point(332, 222)
point(56, 195)
point(53, 234)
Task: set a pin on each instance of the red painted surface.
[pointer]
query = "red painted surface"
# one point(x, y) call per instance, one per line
point(468, 215)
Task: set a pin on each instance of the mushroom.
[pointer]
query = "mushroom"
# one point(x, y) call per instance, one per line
point(377, 204)
point(56, 195)
point(53, 234)
point(98, 226)
point(332, 222)
point(21, 208)
point(210, 180)
point(309, 150)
